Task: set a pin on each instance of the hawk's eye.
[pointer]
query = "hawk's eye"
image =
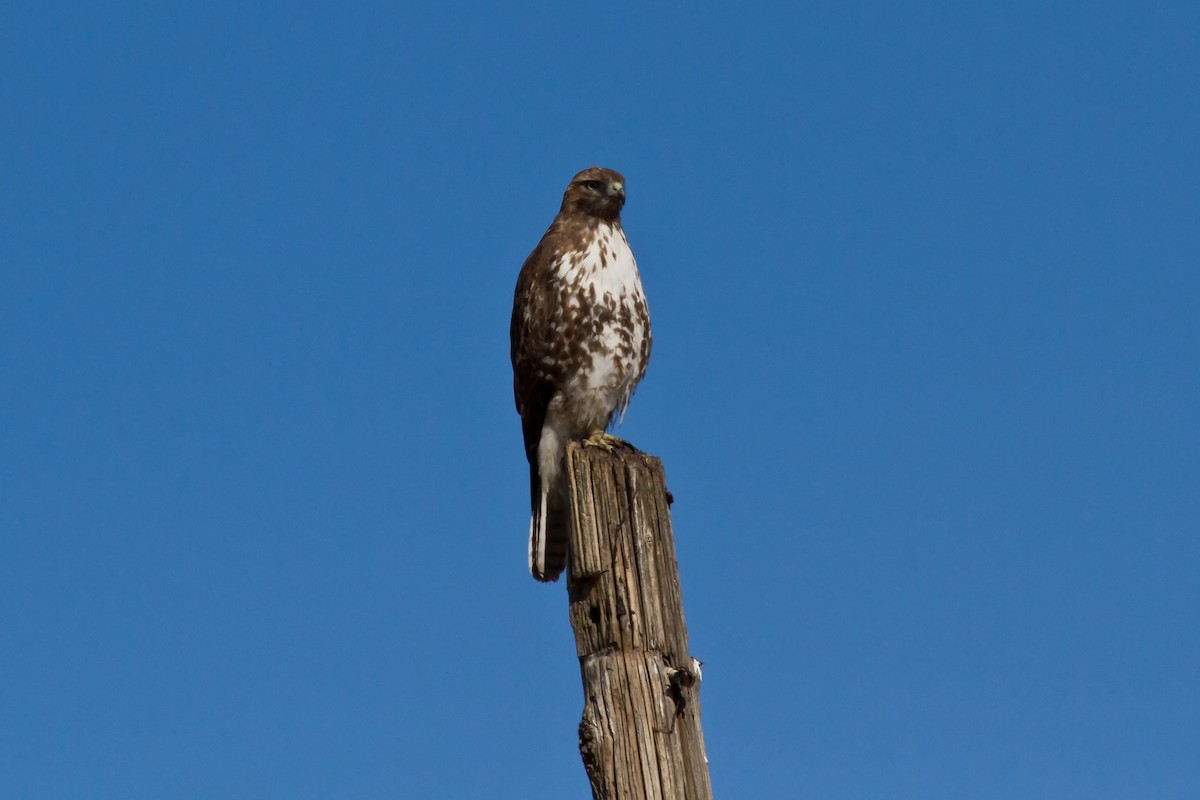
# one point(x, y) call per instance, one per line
point(592, 185)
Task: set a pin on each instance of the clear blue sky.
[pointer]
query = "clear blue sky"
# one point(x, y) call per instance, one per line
point(926, 380)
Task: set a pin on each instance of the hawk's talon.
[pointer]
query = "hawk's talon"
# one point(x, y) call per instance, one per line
point(605, 441)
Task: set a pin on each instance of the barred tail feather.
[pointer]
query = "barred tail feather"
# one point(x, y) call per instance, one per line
point(548, 538)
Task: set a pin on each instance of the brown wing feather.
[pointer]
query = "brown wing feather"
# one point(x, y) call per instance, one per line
point(534, 376)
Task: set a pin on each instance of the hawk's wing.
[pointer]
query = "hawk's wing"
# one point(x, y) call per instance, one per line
point(534, 375)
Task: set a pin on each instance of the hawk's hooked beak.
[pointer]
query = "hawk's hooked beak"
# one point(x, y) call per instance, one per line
point(616, 188)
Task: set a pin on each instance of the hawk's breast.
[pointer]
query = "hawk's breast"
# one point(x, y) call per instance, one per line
point(606, 323)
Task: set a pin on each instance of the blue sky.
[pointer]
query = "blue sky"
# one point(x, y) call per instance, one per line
point(924, 288)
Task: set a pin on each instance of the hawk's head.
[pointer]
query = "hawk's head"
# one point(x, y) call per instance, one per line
point(597, 192)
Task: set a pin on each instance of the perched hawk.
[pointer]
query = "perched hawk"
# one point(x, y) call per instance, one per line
point(580, 342)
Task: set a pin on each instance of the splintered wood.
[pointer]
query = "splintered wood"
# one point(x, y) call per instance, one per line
point(640, 736)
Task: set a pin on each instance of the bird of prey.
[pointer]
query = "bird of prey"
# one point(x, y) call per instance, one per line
point(580, 341)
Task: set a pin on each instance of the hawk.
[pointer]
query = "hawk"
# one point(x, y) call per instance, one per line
point(580, 338)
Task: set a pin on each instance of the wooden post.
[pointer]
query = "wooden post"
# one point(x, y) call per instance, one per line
point(640, 735)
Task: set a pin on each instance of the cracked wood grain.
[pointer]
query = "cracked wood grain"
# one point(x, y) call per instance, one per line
point(640, 736)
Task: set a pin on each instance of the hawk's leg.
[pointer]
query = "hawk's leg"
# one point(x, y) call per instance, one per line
point(605, 441)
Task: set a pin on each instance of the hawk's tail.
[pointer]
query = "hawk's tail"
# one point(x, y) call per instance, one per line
point(548, 535)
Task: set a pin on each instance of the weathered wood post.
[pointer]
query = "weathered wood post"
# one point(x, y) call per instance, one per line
point(640, 735)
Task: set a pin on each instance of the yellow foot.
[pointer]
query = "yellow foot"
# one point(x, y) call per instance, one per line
point(605, 441)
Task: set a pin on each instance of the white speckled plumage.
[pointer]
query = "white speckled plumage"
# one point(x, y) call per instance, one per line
point(608, 272)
